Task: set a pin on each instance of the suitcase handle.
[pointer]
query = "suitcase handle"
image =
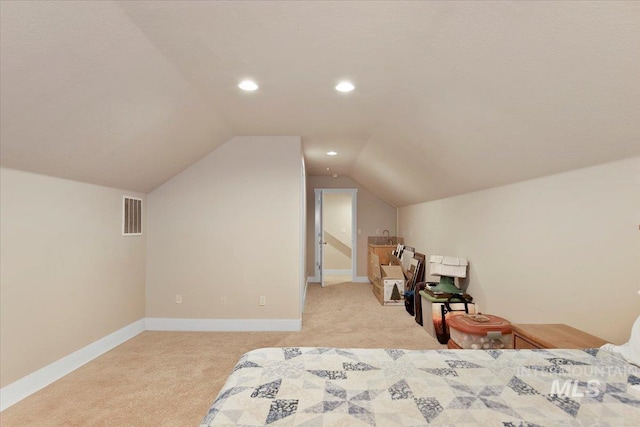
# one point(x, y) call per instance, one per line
point(461, 298)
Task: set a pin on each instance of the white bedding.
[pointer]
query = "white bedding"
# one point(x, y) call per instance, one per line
point(394, 387)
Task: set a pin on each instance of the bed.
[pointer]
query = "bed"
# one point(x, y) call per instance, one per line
point(315, 386)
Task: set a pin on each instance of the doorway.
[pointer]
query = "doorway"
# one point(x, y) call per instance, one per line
point(335, 235)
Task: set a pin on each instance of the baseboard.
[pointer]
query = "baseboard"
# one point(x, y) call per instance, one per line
point(362, 279)
point(313, 279)
point(25, 386)
point(223, 325)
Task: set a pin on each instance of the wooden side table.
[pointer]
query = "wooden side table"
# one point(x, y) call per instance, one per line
point(552, 335)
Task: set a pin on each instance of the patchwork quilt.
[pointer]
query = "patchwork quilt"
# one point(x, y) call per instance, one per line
point(392, 387)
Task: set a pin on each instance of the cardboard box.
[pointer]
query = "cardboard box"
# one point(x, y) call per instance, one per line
point(375, 267)
point(448, 266)
point(391, 277)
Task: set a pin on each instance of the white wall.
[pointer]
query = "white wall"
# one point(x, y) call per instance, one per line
point(68, 276)
point(559, 249)
point(227, 230)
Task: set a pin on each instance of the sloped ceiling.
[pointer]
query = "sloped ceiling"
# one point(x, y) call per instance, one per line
point(451, 97)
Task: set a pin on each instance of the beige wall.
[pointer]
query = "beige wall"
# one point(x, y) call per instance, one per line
point(559, 249)
point(372, 213)
point(68, 276)
point(227, 230)
point(336, 220)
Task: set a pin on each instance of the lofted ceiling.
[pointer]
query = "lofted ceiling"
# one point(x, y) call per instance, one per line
point(451, 97)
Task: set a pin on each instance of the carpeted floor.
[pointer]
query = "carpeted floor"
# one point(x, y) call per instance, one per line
point(171, 378)
point(337, 279)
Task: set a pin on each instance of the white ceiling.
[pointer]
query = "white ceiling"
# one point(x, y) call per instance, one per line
point(451, 97)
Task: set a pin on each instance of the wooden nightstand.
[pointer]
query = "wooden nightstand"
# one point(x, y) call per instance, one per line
point(554, 335)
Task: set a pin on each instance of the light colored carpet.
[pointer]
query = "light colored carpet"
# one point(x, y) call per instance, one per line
point(171, 378)
point(336, 279)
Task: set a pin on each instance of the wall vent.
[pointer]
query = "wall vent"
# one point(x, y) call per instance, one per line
point(131, 216)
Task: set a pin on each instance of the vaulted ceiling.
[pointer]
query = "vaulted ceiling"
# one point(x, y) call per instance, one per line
point(451, 97)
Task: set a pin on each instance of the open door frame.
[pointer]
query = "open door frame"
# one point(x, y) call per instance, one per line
point(318, 194)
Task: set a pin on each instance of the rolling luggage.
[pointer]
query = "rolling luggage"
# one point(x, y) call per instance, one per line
point(417, 303)
point(409, 304)
point(415, 274)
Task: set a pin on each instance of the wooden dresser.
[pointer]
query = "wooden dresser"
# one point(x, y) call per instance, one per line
point(552, 335)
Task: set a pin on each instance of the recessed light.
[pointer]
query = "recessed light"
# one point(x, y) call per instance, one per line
point(331, 153)
point(335, 175)
point(345, 87)
point(248, 85)
point(328, 169)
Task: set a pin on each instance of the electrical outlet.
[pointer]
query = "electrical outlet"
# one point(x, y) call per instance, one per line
point(178, 299)
point(263, 300)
